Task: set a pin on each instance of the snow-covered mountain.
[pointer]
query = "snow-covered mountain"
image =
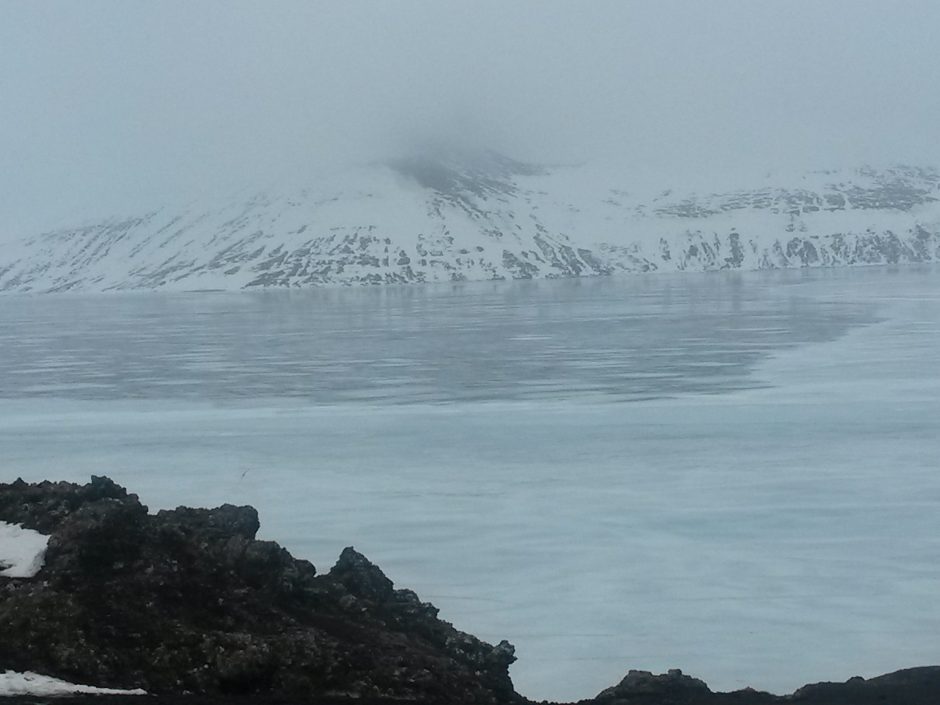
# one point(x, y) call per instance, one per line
point(443, 219)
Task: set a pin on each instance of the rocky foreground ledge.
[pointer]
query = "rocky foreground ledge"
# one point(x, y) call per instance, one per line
point(189, 606)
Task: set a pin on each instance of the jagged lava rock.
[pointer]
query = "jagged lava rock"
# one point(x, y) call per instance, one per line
point(189, 601)
point(913, 686)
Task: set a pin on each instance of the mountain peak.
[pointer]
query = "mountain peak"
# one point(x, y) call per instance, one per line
point(454, 173)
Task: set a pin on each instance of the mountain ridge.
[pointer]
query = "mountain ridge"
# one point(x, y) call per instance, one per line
point(452, 218)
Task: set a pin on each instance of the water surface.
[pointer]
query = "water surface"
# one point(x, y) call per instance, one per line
point(732, 474)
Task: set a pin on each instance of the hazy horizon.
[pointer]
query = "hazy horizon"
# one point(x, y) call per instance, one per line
point(113, 105)
point(669, 401)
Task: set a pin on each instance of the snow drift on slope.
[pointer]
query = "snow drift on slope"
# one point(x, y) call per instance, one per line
point(425, 219)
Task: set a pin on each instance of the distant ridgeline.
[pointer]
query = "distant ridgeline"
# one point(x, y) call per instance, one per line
point(427, 219)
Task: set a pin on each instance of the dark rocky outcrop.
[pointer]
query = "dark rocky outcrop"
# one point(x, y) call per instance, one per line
point(188, 601)
point(190, 606)
point(914, 686)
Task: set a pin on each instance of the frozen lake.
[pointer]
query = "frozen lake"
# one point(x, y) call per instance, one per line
point(732, 474)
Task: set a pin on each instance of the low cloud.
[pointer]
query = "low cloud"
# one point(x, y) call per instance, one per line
point(108, 105)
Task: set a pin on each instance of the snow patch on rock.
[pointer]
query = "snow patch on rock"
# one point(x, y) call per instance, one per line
point(22, 551)
point(13, 683)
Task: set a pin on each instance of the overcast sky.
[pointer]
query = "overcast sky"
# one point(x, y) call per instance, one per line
point(113, 103)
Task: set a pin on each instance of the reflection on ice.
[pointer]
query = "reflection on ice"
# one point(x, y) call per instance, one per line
point(623, 339)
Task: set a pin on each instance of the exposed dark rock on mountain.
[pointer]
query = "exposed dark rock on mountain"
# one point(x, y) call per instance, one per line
point(475, 217)
point(188, 605)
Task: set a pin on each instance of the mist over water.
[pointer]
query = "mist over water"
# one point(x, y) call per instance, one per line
point(109, 108)
point(733, 474)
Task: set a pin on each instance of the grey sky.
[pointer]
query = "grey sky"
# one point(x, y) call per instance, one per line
point(113, 104)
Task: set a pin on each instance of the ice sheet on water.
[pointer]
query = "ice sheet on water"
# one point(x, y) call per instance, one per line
point(769, 536)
